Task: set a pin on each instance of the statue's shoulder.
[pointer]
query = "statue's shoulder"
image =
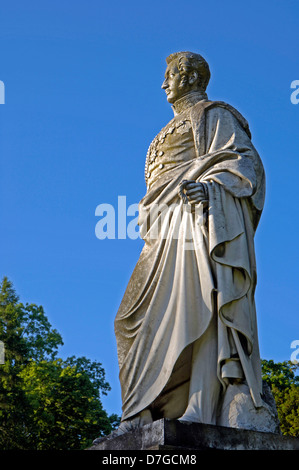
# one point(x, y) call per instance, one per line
point(201, 108)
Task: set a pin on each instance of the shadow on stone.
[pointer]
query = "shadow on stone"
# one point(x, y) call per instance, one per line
point(177, 435)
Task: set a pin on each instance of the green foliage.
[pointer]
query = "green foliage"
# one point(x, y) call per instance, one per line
point(45, 402)
point(284, 384)
point(65, 410)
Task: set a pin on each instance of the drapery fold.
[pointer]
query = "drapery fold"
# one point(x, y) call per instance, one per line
point(194, 264)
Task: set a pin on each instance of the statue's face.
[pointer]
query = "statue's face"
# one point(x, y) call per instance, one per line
point(171, 84)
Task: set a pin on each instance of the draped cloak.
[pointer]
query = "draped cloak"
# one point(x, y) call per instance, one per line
point(175, 291)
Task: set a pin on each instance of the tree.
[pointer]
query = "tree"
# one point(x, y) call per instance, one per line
point(45, 402)
point(284, 384)
point(65, 411)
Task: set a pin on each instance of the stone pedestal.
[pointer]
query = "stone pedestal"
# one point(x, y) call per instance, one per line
point(174, 435)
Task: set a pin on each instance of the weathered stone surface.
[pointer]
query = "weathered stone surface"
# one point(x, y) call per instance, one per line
point(187, 319)
point(176, 435)
point(238, 410)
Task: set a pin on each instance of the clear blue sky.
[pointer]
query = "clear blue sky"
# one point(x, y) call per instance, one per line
point(83, 102)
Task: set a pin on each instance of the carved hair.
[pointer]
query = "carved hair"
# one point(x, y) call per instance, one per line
point(187, 62)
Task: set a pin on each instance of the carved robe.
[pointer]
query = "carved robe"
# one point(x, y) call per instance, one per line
point(178, 289)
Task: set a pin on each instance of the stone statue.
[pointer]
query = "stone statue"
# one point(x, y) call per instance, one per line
point(186, 328)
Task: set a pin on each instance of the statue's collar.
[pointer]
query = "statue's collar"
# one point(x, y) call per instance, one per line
point(188, 100)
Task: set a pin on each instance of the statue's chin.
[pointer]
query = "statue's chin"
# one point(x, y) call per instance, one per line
point(169, 99)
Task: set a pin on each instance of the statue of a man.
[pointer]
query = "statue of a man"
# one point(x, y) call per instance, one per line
point(186, 327)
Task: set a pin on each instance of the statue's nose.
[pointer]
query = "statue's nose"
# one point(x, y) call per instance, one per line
point(164, 84)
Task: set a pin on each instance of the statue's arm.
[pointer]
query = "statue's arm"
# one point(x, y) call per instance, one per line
point(235, 163)
point(224, 143)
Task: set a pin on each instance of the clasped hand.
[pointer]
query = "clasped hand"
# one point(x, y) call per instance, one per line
point(192, 192)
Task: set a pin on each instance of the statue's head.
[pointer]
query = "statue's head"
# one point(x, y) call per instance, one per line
point(186, 72)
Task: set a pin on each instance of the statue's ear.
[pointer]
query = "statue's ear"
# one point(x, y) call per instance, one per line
point(193, 76)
